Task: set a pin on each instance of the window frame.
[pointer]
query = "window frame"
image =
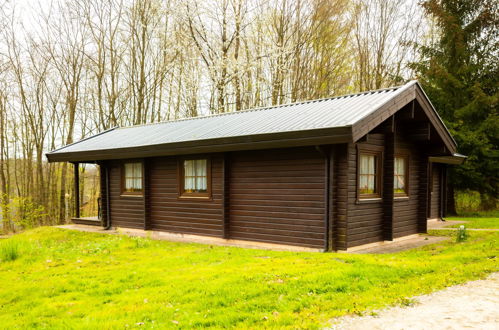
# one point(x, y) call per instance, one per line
point(181, 180)
point(378, 153)
point(405, 156)
point(123, 179)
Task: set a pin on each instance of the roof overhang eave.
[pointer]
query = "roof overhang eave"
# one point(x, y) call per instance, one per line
point(454, 159)
point(264, 141)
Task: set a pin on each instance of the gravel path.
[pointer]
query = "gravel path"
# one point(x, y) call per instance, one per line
point(473, 305)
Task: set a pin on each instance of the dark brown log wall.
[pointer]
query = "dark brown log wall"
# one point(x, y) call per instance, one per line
point(405, 219)
point(277, 196)
point(435, 192)
point(365, 218)
point(184, 215)
point(126, 211)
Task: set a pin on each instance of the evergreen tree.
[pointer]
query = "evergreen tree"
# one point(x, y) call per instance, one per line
point(459, 71)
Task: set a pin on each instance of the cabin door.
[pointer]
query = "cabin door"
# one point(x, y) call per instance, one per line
point(435, 192)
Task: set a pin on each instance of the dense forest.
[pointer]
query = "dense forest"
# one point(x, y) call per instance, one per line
point(70, 69)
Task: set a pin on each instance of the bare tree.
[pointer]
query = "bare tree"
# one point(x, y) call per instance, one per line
point(384, 30)
point(72, 69)
point(67, 56)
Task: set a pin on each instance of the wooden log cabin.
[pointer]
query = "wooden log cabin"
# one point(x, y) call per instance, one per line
point(329, 174)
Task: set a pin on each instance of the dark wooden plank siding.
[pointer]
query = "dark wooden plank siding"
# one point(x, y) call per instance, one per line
point(365, 219)
point(277, 196)
point(189, 216)
point(435, 192)
point(126, 211)
point(405, 220)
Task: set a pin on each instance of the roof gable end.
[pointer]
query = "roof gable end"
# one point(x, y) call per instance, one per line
point(406, 94)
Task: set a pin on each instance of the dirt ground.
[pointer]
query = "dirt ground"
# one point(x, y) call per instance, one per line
point(473, 305)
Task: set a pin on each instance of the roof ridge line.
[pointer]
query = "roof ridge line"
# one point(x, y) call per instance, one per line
point(265, 108)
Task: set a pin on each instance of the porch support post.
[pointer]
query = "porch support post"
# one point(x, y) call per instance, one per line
point(387, 185)
point(76, 167)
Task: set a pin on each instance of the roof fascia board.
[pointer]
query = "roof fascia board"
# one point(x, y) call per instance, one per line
point(413, 91)
point(453, 160)
point(385, 111)
point(79, 141)
point(435, 119)
point(263, 141)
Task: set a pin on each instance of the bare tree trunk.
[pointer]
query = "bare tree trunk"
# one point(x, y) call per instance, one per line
point(4, 198)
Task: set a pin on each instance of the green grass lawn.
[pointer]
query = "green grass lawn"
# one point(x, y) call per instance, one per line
point(489, 220)
point(68, 279)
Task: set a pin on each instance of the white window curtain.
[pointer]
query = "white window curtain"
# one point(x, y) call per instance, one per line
point(196, 175)
point(133, 177)
point(399, 177)
point(367, 175)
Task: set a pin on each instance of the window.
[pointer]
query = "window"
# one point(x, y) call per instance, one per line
point(195, 178)
point(400, 176)
point(132, 178)
point(369, 175)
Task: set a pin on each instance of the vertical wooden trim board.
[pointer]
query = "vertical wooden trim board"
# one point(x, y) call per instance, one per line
point(341, 191)
point(226, 195)
point(388, 174)
point(329, 201)
point(147, 194)
point(423, 193)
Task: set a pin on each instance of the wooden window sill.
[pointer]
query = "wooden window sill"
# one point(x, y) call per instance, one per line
point(401, 198)
point(131, 195)
point(196, 198)
point(369, 200)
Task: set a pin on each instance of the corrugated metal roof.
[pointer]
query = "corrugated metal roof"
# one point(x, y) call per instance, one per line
point(342, 111)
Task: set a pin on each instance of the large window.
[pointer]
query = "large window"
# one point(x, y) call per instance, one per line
point(195, 178)
point(400, 182)
point(369, 175)
point(132, 178)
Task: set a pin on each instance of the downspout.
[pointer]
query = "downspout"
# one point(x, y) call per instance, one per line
point(108, 200)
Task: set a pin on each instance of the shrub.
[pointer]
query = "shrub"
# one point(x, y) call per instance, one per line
point(472, 202)
point(140, 242)
point(10, 250)
point(467, 201)
point(27, 213)
point(461, 234)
